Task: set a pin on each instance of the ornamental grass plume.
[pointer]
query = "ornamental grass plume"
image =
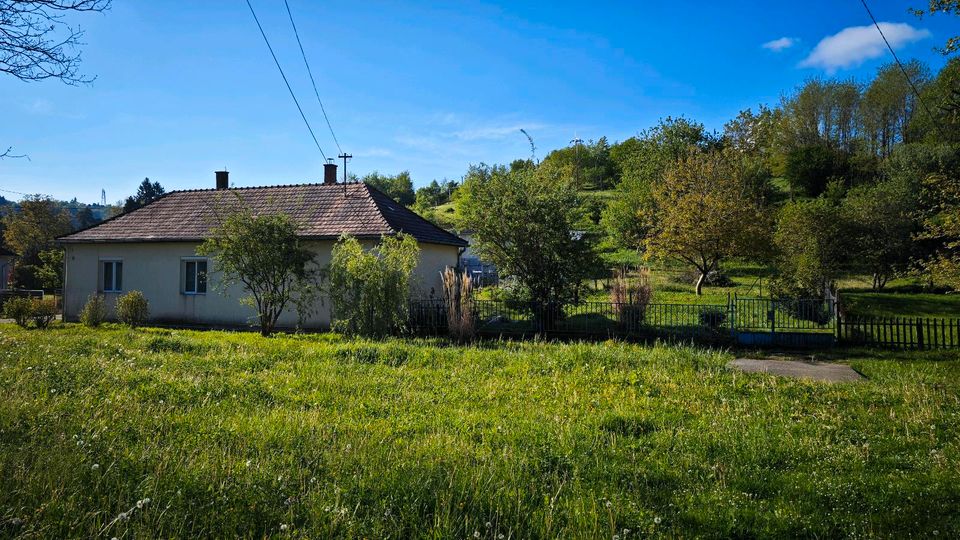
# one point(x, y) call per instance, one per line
point(458, 296)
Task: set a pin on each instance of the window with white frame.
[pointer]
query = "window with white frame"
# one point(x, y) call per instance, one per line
point(194, 276)
point(112, 275)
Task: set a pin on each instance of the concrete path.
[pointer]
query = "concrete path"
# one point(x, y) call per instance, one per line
point(798, 369)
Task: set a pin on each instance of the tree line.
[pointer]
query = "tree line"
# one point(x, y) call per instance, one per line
point(839, 178)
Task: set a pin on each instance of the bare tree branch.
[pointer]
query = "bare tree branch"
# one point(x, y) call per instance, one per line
point(36, 43)
point(8, 153)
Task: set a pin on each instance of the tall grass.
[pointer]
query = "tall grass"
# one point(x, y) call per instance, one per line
point(458, 297)
point(121, 433)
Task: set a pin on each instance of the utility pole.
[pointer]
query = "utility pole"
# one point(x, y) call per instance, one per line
point(577, 141)
point(345, 156)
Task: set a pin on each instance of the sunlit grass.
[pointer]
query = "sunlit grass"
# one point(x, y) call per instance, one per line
point(229, 434)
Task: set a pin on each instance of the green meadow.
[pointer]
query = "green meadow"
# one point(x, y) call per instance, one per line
point(161, 433)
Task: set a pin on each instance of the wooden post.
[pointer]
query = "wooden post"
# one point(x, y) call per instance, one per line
point(920, 334)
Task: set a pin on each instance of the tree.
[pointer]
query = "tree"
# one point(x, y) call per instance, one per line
point(50, 270)
point(370, 289)
point(523, 223)
point(942, 97)
point(640, 163)
point(952, 44)
point(940, 194)
point(882, 224)
point(705, 212)
point(398, 188)
point(33, 229)
point(36, 43)
point(86, 218)
point(587, 165)
point(263, 254)
point(147, 192)
point(809, 168)
point(889, 104)
point(812, 247)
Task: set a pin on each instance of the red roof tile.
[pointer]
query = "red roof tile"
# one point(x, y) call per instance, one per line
point(323, 211)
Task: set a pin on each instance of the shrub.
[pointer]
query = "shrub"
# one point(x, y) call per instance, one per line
point(18, 309)
point(712, 318)
point(370, 289)
point(43, 312)
point(132, 309)
point(94, 311)
point(630, 297)
point(458, 297)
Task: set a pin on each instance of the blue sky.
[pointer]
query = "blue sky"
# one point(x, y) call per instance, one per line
point(185, 88)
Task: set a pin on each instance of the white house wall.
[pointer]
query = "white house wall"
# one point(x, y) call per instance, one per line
point(155, 270)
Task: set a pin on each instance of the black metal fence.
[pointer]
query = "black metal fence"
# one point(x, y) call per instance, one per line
point(705, 322)
point(921, 333)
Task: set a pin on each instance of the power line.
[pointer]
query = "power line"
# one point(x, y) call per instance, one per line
point(310, 72)
point(904, 71)
point(282, 74)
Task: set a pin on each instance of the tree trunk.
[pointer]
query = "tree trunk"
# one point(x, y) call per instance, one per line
point(700, 280)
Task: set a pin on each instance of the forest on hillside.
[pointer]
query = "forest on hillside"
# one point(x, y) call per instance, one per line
point(840, 177)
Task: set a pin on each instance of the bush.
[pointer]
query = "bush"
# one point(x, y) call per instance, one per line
point(370, 289)
point(43, 312)
point(132, 309)
point(630, 297)
point(18, 309)
point(712, 318)
point(94, 311)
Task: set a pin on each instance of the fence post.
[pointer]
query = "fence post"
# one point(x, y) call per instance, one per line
point(839, 324)
point(732, 307)
point(919, 324)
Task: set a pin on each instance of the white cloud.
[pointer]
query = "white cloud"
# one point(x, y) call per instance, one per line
point(495, 132)
point(778, 45)
point(852, 46)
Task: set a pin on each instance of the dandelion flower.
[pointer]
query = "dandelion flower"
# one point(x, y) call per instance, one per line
point(657, 520)
point(96, 466)
point(283, 526)
point(476, 534)
point(609, 504)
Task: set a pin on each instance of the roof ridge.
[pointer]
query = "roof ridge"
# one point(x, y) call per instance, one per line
point(304, 184)
point(403, 208)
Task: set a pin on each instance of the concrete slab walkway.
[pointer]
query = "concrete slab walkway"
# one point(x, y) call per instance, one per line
point(798, 369)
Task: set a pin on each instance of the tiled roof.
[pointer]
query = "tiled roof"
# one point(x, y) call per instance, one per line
point(323, 211)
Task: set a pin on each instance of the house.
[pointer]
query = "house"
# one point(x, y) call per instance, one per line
point(6, 266)
point(153, 249)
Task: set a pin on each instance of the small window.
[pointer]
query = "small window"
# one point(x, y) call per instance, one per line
point(112, 276)
point(195, 276)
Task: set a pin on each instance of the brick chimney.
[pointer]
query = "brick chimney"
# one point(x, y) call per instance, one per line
point(223, 179)
point(329, 173)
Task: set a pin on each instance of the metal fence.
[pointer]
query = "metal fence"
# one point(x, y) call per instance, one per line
point(921, 333)
point(7, 294)
point(713, 322)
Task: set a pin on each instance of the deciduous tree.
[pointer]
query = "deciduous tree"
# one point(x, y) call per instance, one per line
point(263, 254)
point(524, 224)
point(706, 211)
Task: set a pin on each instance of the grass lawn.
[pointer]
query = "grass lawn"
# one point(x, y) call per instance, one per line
point(160, 433)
